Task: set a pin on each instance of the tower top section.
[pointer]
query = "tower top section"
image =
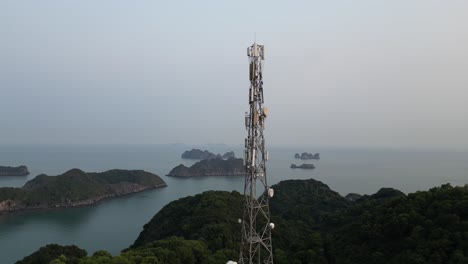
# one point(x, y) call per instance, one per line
point(256, 51)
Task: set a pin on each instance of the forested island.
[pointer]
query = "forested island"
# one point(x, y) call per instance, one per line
point(305, 156)
point(303, 166)
point(14, 171)
point(205, 154)
point(210, 167)
point(313, 224)
point(75, 188)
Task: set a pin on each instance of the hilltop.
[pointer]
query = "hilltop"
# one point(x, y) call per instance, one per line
point(205, 154)
point(75, 188)
point(210, 167)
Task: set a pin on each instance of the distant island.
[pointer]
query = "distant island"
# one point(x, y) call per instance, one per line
point(303, 166)
point(14, 171)
point(210, 167)
point(76, 188)
point(199, 154)
point(305, 156)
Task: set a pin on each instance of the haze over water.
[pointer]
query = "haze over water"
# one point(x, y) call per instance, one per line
point(114, 224)
point(357, 74)
point(379, 88)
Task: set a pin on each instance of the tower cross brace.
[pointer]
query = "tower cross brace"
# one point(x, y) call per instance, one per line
point(256, 246)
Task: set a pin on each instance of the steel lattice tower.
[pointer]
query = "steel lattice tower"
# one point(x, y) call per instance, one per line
point(256, 227)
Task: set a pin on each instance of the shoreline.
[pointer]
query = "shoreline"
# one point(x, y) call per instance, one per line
point(80, 204)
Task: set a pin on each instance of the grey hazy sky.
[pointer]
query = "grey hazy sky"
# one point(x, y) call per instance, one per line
point(337, 73)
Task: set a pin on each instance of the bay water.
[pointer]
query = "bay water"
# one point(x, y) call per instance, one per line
point(114, 224)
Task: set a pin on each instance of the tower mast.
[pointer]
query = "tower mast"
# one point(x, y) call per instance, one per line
point(256, 227)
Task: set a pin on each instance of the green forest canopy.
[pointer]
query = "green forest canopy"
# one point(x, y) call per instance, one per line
point(313, 225)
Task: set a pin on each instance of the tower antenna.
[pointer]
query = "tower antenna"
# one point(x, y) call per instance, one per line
point(256, 227)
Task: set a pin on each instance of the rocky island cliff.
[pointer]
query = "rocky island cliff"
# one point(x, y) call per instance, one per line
point(303, 166)
point(210, 167)
point(14, 171)
point(305, 156)
point(205, 154)
point(76, 188)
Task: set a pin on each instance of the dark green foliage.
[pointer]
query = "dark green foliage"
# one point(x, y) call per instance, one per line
point(76, 186)
point(313, 225)
point(172, 250)
point(424, 227)
point(198, 154)
point(210, 167)
point(301, 199)
point(316, 225)
point(384, 194)
point(210, 217)
point(298, 209)
point(46, 254)
point(11, 193)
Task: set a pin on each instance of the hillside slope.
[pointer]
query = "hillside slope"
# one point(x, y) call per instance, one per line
point(76, 188)
point(313, 224)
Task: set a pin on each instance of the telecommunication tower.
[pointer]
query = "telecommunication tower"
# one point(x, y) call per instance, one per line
point(256, 227)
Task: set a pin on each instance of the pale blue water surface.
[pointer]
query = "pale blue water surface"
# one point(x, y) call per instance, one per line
point(114, 224)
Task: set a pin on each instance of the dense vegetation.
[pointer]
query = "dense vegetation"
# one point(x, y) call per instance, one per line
point(210, 217)
point(47, 254)
point(210, 167)
point(75, 187)
point(313, 225)
point(423, 227)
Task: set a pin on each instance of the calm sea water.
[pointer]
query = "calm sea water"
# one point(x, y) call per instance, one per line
point(114, 224)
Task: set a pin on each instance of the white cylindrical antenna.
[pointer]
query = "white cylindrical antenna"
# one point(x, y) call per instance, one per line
point(253, 158)
point(271, 192)
point(265, 111)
